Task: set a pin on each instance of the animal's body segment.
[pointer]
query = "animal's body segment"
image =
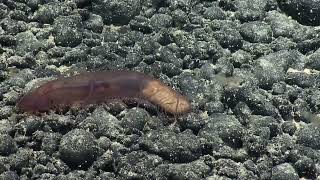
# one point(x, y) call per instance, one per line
point(98, 87)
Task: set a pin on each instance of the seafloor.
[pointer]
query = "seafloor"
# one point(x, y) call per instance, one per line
point(251, 69)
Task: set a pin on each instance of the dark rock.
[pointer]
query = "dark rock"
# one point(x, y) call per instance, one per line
point(261, 129)
point(199, 90)
point(257, 122)
point(18, 15)
point(47, 13)
point(309, 136)
point(56, 52)
point(179, 18)
point(185, 4)
point(7, 145)
point(120, 148)
point(50, 142)
point(77, 175)
point(208, 71)
point(5, 112)
point(29, 125)
point(27, 42)
point(229, 38)
point(167, 54)
point(182, 147)
point(3, 11)
point(264, 165)
point(278, 88)
point(128, 38)
point(203, 49)
point(306, 167)
point(238, 88)
point(94, 23)
point(116, 12)
point(108, 175)
point(282, 25)
point(294, 92)
point(8, 40)
point(241, 57)
point(214, 107)
point(279, 148)
point(135, 119)
point(13, 27)
point(303, 79)
point(283, 43)
point(227, 167)
point(194, 170)
point(225, 67)
point(236, 154)
point(159, 21)
point(110, 36)
point(289, 127)
point(257, 49)
point(102, 123)
point(21, 78)
point(304, 151)
point(6, 126)
point(9, 175)
point(260, 105)
point(11, 97)
point(250, 165)
point(133, 58)
point(106, 161)
point(256, 141)
point(77, 54)
point(283, 172)
point(141, 23)
point(168, 69)
point(214, 13)
point(285, 107)
point(21, 159)
point(242, 112)
point(18, 61)
point(198, 49)
point(67, 31)
point(104, 142)
point(138, 164)
point(250, 10)
point(308, 45)
point(222, 128)
point(256, 32)
point(78, 148)
point(246, 174)
point(82, 3)
point(271, 68)
point(305, 12)
point(3, 166)
point(192, 121)
point(313, 60)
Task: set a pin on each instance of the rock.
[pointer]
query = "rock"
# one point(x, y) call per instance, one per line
point(7, 145)
point(309, 136)
point(284, 171)
point(181, 147)
point(115, 11)
point(67, 31)
point(78, 148)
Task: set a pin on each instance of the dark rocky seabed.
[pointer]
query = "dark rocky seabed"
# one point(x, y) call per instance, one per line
point(250, 67)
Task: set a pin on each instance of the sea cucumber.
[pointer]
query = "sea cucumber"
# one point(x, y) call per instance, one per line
point(98, 87)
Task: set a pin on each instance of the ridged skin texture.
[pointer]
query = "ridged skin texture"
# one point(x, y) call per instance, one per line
point(98, 87)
